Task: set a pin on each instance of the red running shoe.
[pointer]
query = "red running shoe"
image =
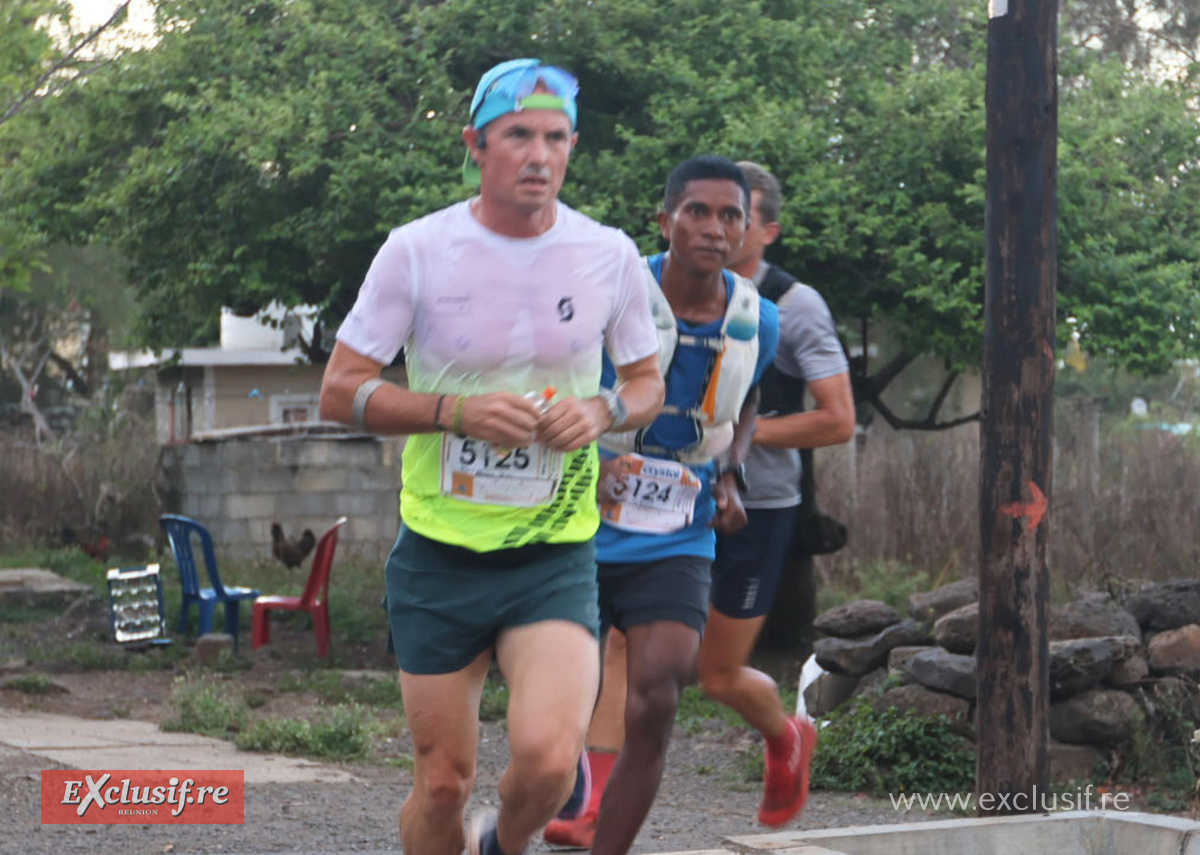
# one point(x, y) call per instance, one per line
point(785, 783)
point(572, 833)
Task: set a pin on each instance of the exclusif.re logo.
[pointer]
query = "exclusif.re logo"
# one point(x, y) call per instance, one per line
point(175, 797)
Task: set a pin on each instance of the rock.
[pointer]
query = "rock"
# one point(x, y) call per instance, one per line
point(208, 648)
point(1176, 651)
point(1130, 672)
point(899, 656)
point(35, 588)
point(944, 672)
point(926, 702)
point(1099, 716)
point(828, 692)
point(1166, 605)
point(958, 631)
point(857, 656)
point(16, 663)
point(871, 683)
point(861, 617)
point(1092, 616)
point(1072, 762)
point(931, 605)
point(1081, 663)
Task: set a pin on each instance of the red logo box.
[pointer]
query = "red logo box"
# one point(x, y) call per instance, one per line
point(144, 797)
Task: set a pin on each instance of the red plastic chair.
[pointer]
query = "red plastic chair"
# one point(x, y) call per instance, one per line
point(314, 600)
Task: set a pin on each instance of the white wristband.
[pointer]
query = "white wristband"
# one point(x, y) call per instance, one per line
point(358, 414)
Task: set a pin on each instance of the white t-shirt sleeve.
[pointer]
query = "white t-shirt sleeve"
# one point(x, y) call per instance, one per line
point(630, 335)
point(382, 317)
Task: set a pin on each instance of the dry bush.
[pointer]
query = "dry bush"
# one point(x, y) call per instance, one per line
point(98, 480)
point(1123, 504)
point(907, 498)
point(1129, 512)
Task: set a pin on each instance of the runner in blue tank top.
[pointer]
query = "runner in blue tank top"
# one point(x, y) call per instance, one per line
point(668, 488)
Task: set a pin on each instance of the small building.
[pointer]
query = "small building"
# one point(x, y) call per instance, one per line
point(257, 377)
point(245, 446)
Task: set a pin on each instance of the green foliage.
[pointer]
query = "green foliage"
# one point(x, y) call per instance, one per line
point(1128, 162)
point(344, 733)
point(14, 613)
point(263, 152)
point(31, 684)
point(494, 704)
point(205, 706)
point(892, 582)
point(104, 655)
point(68, 562)
point(1149, 34)
point(696, 710)
point(336, 688)
point(354, 606)
point(863, 749)
point(1161, 755)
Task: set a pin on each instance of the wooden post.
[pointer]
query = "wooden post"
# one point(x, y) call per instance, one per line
point(1016, 428)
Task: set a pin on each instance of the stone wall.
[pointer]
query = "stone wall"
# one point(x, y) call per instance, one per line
point(238, 487)
point(1116, 668)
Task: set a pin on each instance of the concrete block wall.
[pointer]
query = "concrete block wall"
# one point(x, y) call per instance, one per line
point(238, 487)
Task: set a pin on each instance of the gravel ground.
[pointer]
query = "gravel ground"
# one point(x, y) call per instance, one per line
point(702, 801)
point(704, 797)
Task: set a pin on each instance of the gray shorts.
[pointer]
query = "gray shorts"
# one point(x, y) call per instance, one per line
point(674, 589)
point(447, 604)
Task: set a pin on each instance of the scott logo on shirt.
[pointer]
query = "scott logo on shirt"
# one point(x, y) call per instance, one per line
point(566, 309)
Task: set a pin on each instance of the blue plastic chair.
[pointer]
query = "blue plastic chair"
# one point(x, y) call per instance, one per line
point(179, 531)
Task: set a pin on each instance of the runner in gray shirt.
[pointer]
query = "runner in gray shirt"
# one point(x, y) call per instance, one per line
point(749, 564)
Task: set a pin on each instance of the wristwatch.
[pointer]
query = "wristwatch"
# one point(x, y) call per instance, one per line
point(737, 470)
point(616, 408)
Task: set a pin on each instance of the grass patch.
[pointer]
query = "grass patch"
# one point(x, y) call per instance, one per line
point(206, 707)
point(494, 704)
point(108, 656)
point(697, 709)
point(1161, 756)
point(355, 615)
point(31, 684)
point(355, 612)
point(336, 688)
point(69, 562)
point(863, 749)
point(343, 734)
point(10, 614)
point(891, 582)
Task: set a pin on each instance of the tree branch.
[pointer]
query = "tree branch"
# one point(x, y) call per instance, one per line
point(928, 423)
point(41, 427)
point(65, 61)
point(78, 382)
point(869, 390)
point(883, 378)
point(940, 398)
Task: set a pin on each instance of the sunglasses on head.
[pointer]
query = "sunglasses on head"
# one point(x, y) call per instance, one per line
point(521, 84)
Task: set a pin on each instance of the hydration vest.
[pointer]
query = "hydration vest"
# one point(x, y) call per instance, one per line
point(778, 394)
point(733, 355)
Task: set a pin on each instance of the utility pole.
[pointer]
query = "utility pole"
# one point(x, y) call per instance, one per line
point(1016, 427)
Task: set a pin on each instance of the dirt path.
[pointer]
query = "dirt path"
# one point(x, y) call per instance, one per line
point(704, 797)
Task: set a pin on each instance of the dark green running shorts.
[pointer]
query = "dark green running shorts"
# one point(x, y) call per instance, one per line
point(447, 604)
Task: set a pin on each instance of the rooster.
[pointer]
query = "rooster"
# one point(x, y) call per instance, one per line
point(96, 545)
point(291, 552)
